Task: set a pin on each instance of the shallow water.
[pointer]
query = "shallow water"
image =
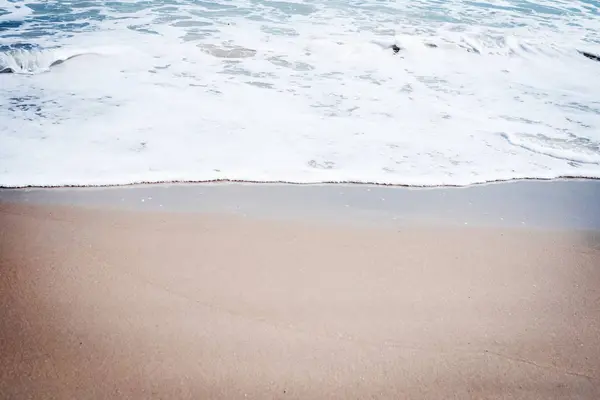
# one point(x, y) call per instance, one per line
point(301, 91)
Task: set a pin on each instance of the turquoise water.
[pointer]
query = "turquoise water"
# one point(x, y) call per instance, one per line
point(61, 18)
point(108, 92)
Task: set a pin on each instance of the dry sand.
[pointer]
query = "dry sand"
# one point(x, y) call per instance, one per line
point(99, 303)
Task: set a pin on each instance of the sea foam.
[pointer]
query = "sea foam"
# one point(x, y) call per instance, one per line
point(122, 92)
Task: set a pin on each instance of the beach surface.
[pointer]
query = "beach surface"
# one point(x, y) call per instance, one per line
point(277, 291)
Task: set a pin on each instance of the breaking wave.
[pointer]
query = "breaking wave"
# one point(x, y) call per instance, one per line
point(29, 59)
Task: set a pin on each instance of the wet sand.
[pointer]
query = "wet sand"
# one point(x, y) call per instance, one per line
point(118, 301)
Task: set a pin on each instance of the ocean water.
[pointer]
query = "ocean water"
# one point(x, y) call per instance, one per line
point(115, 92)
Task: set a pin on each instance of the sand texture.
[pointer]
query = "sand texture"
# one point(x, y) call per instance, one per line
point(99, 303)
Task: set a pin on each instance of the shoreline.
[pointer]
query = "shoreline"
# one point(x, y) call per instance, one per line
point(294, 183)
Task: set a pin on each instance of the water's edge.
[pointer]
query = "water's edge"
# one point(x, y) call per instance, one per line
point(556, 204)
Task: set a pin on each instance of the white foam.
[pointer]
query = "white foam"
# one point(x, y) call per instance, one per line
point(323, 99)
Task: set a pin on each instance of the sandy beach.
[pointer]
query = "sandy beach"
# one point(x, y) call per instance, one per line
point(120, 300)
